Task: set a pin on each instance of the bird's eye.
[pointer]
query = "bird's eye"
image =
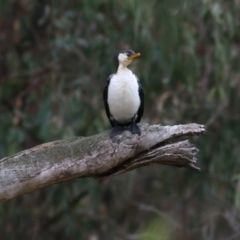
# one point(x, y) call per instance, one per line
point(130, 52)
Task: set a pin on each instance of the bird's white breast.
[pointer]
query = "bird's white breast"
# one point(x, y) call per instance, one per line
point(123, 96)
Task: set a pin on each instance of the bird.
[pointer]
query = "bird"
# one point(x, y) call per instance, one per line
point(123, 97)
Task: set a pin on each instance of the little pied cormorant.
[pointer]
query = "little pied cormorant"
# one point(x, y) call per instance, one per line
point(123, 97)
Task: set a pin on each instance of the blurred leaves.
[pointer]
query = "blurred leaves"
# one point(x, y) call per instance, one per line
point(55, 58)
point(157, 230)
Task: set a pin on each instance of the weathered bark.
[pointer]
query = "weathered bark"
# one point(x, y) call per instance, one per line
point(96, 156)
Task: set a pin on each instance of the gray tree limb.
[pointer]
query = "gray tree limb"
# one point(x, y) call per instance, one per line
point(96, 156)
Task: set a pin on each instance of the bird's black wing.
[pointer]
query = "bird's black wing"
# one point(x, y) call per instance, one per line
point(141, 107)
point(105, 100)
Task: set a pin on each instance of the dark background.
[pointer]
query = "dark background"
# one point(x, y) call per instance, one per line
point(55, 57)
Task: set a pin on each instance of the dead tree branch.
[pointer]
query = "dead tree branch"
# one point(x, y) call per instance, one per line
point(96, 156)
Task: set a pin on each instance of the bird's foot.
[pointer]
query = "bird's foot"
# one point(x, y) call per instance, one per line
point(116, 130)
point(134, 129)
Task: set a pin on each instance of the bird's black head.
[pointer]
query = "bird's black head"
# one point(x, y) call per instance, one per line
point(128, 52)
point(126, 57)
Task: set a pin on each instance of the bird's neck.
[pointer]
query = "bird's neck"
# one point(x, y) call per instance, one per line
point(122, 68)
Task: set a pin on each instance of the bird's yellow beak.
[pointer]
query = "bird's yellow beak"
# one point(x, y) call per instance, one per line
point(134, 56)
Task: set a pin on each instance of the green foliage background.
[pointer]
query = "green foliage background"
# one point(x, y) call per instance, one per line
point(55, 57)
